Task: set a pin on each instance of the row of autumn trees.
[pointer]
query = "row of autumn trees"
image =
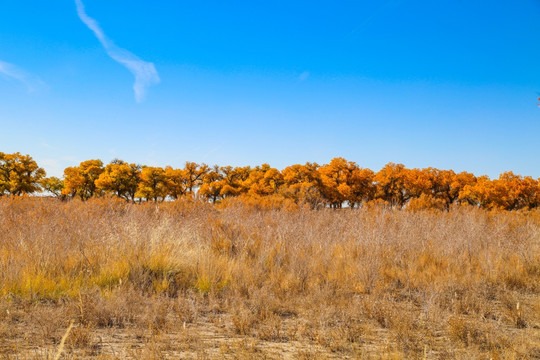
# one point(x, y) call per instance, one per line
point(336, 184)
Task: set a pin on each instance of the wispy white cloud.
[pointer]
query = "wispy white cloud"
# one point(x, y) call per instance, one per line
point(368, 21)
point(52, 167)
point(69, 158)
point(12, 71)
point(145, 72)
point(303, 76)
point(46, 145)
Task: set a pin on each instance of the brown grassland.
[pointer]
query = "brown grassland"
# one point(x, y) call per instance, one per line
point(187, 279)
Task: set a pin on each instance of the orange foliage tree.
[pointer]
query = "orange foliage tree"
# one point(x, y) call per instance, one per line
point(53, 185)
point(393, 184)
point(19, 174)
point(336, 184)
point(120, 178)
point(302, 184)
point(343, 181)
point(509, 192)
point(194, 174)
point(175, 182)
point(152, 184)
point(233, 180)
point(263, 181)
point(441, 186)
point(212, 184)
point(81, 180)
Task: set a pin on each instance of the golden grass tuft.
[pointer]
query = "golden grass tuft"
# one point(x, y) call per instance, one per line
point(266, 280)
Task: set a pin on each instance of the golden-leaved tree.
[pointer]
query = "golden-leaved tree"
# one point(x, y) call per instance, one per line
point(302, 184)
point(440, 186)
point(344, 181)
point(19, 174)
point(194, 174)
point(263, 180)
point(81, 180)
point(457, 184)
point(176, 182)
point(340, 182)
point(120, 178)
point(521, 192)
point(233, 180)
point(509, 192)
point(393, 184)
point(152, 185)
point(212, 184)
point(53, 185)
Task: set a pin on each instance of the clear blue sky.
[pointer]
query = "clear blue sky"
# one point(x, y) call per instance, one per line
point(450, 84)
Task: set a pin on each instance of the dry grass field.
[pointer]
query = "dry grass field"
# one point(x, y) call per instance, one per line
point(191, 280)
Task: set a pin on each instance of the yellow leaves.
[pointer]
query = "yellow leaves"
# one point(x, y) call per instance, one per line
point(302, 183)
point(19, 174)
point(193, 174)
point(120, 178)
point(222, 182)
point(152, 184)
point(336, 184)
point(80, 180)
point(344, 180)
point(424, 202)
point(175, 181)
point(263, 181)
point(211, 185)
point(509, 192)
point(345, 191)
point(392, 184)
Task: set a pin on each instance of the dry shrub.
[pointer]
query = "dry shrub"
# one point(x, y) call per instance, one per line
point(241, 349)
point(51, 323)
point(345, 283)
point(244, 319)
point(117, 309)
point(309, 355)
point(426, 202)
point(185, 309)
point(379, 309)
point(258, 203)
point(484, 335)
point(271, 328)
point(80, 337)
point(340, 331)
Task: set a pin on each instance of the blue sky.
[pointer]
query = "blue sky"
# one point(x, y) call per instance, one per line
point(449, 84)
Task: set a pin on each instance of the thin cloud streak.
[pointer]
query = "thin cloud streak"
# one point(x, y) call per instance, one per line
point(15, 72)
point(145, 73)
point(369, 19)
point(303, 76)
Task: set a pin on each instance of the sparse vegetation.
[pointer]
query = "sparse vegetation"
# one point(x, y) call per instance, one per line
point(237, 280)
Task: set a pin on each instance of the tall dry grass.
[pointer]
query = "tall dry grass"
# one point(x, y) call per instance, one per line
point(194, 280)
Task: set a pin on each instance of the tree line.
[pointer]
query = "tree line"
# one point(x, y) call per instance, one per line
point(336, 184)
